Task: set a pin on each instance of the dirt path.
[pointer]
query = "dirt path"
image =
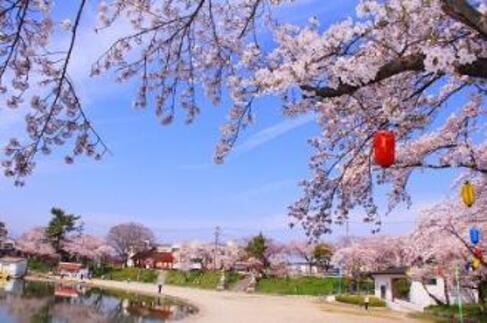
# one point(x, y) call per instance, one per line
point(223, 307)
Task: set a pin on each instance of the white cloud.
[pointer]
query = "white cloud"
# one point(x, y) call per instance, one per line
point(264, 136)
point(266, 189)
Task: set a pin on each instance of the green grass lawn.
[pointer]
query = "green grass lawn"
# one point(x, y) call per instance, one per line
point(301, 286)
point(200, 279)
point(445, 313)
point(122, 274)
point(39, 265)
point(359, 300)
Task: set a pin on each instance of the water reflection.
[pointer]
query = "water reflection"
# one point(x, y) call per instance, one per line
point(37, 302)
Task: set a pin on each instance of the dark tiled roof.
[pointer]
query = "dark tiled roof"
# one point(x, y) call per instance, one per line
point(391, 271)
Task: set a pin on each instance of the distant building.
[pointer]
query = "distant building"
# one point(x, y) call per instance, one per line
point(302, 269)
point(13, 267)
point(419, 295)
point(247, 266)
point(72, 270)
point(6, 245)
point(299, 266)
point(153, 259)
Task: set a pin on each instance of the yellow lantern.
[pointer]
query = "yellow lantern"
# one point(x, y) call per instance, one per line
point(468, 194)
point(475, 263)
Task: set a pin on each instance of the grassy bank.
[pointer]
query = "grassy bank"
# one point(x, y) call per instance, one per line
point(445, 313)
point(123, 274)
point(305, 285)
point(359, 300)
point(199, 279)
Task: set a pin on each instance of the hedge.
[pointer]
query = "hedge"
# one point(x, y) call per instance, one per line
point(359, 300)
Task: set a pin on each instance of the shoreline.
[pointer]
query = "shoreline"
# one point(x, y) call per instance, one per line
point(97, 283)
point(228, 306)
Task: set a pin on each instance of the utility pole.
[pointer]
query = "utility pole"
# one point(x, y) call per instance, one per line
point(215, 249)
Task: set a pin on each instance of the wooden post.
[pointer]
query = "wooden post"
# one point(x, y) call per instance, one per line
point(459, 297)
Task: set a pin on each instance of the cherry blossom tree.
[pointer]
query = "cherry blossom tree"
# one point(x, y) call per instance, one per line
point(371, 254)
point(88, 247)
point(441, 243)
point(277, 258)
point(303, 250)
point(396, 66)
point(35, 243)
point(230, 254)
point(314, 254)
point(223, 257)
point(129, 237)
point(438, 245)
point(195, 252)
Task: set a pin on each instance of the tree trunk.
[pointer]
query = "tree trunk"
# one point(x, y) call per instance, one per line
point(436, 299)
point(483, 295)
point(446, 291)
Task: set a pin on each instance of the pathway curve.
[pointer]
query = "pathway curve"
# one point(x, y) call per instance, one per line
point(223, 307)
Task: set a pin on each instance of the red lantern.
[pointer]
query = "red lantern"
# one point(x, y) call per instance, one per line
point(384, 148)
point(478, 252)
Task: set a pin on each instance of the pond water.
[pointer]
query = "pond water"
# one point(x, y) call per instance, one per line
point(22, 301)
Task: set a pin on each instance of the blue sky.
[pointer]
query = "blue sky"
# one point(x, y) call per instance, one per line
point(164, 176)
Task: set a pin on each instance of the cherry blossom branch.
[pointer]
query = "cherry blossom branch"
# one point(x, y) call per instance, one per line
point(410, 63)
point(22, 14)
point(451, 229)
point(442, 166)
point(61, 81)
point(465, 13)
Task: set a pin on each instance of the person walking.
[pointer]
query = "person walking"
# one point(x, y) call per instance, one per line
point(366, 302)
point(159, 288)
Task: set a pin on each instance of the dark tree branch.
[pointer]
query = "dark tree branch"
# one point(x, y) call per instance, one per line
point(394, 67)
point(442, 166)
point(465, 13)
point(410, 63)
point(22, 14)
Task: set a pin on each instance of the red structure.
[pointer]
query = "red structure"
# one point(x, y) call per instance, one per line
point(478, 253)
point(154, 259)
point(66, 291)
point(384, 148)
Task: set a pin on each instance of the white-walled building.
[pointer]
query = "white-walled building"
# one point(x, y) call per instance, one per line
point(13, 267)
point(419, 294)
point(72, 270)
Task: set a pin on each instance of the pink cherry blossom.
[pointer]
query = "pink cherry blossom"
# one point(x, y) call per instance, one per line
point(396, 66)
point(35, 243)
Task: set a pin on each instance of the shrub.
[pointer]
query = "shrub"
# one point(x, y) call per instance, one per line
point(359, 300)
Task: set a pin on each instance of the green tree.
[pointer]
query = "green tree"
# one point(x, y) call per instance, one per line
point(257, 248)
point(60, 225)
point(322, 256)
